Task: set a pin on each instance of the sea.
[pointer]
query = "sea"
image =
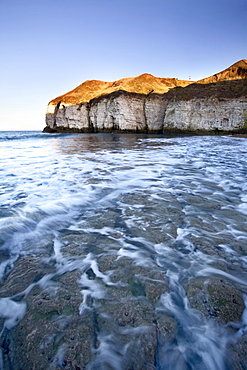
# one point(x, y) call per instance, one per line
point(126, 220)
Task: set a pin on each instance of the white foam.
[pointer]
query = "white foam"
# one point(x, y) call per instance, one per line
point(208, 271)
point(12, 312)
point(57, 250)
point(109, 354)
point(59, 357)
point(199, 338)
point(243, 208)
point(91, 261)
point(91, 289)
point(142, 329)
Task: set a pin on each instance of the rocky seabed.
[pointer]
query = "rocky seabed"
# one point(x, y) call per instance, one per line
point(123, 252)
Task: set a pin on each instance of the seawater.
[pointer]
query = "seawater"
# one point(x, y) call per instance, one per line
point(176, 206)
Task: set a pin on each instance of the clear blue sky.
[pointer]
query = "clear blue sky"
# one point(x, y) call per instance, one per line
point(49, 47)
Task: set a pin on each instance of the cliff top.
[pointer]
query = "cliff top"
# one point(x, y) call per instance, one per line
point(236, 71)
point(144, 84)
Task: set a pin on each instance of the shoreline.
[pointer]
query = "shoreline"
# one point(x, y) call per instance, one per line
point(172, 132)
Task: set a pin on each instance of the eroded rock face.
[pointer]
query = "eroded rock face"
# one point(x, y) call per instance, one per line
point(127, 112)
point(206, 114)
point(150, 104)
point(120, 111)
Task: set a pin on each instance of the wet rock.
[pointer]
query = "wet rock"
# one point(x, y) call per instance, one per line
point(239, 354)
point(52, 333)
point(132, 324)
point(27, 270)
point(217, 298)
point(139, 211)
point(40, 343)
point(95, 304)
point(103, 218)
point(167, 328)
point(203, 203)
point(135, 280)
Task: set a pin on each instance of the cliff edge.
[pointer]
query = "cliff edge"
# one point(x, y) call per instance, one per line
point(152, 104)
point(237, 71)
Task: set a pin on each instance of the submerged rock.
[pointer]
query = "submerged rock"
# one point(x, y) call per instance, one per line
point(58, 332)
point(216, 297)
point(117, 326)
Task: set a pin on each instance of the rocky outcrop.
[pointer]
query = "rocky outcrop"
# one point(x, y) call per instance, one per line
point(150, 104)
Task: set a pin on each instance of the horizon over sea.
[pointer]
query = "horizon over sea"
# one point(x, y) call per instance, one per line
point(123, 251)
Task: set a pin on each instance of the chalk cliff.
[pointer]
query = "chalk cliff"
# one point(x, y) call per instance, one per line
point(150, 104)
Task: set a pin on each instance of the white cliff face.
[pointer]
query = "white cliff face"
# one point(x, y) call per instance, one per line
point(155, 108)
point(76, 116)
point(136, 112)
point(119, 113)
point(206, 114)
point(128, 112)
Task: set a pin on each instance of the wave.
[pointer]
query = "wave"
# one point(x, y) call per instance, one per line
point(26, 135)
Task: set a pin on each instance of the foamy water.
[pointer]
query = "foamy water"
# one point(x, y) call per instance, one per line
point(177, 206)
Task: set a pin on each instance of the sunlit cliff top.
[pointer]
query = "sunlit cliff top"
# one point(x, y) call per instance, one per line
point(236, 71)
point(144, 84)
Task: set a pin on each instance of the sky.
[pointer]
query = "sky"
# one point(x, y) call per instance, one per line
point(48, 47)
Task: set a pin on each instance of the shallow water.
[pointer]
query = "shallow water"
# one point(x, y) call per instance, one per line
point(146, 236)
